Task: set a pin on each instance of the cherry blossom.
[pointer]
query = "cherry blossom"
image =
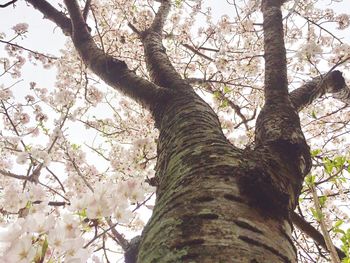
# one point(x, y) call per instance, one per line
point(20, 28)
point(22, 251)
point(76, 153)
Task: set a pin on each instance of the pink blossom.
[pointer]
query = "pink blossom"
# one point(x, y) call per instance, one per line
point(20, 28)
point(343, 21)
point(30, 98)
point(22, 158)
point(22, 251)
point(5, 94)
point(24, 118)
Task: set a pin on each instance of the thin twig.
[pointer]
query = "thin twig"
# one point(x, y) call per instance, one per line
point(119, 237)
point(16, 176)
point(27, 49)
point(330, 246)
point(8, 3)
point(315, 24)
point(195, 50)
point(312, 232)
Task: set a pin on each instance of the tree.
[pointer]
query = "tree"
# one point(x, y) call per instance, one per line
point(215, 200)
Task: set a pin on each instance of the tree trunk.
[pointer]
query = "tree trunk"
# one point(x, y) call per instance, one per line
point(215, 202)
point(201, 215)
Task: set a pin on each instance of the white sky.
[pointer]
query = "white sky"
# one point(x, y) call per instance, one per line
point(44, 37)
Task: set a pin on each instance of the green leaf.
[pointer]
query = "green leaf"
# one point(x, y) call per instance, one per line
point(310, 179)
point(328, 165)
point(224, 103)
point(226, 89)
point(315, 152)
point(322, 200)
point(338, 223)
point(339, 161)
point(178, 3)
point(44, 248)
point(217, 94)
point(318, 216)
point(28, 148)
point(82, 213)
point(313, 114)
point(75, 146)
point(338, 230)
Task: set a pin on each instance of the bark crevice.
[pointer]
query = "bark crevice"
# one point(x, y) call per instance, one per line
point(273, 250)
point(199, 197)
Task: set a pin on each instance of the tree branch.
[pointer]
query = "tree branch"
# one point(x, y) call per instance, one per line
point(51, 13)
point(234, 106)
point(161, 70)
point(312, 232)
point(332, 82)
point(319, 26)
point(53, 203)
point(130, 255)
point(119, 237)
point(278, 120)
point(12, 175)
point(276, 83)
point(195, 50)
point(8, 3)
point(326, 237)
point(113, 71)
point(278, 132)
point(86, 9)
point(160, 18)
point(29, 50)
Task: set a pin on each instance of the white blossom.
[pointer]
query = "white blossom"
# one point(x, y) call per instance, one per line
point(20, 28)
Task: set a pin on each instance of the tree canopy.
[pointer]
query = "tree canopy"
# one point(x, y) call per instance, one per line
point(81, 161)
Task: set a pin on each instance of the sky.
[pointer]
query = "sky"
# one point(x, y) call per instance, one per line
point(45, 37)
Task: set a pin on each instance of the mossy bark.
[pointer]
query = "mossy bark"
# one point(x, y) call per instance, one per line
point(201, 213)
point(215, 203)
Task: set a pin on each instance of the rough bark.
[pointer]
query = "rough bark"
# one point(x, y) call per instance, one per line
point(332, 83)
point(215, 203)
point(276, 82)
point(200, 213)
point(278, 135)
point(161, 70)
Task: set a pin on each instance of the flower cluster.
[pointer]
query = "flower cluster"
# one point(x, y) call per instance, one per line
point(20, 28)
